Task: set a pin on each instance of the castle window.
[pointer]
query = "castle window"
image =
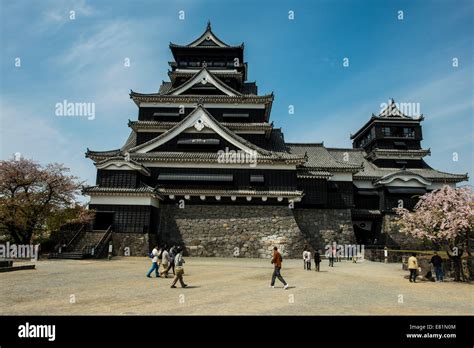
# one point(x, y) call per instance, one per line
point(368, 137)
point(386, 131)
point(408, 132)
point(372, 133)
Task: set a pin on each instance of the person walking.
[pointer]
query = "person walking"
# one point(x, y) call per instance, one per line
point(165, 260)
point(179, 269)
point(332, 256)
point(276, 261)
point(354, 258)
point(304, 256)
point(154, 263)
point(317, 260)
point(305, 253)
point(437, 263)
point(412, 267)
point(308, 260)
point(348, 256)
point(172, 254)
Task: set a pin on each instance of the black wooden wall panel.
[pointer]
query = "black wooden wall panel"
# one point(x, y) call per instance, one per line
point(117, 178)
point(129, 218)
point(255, 115)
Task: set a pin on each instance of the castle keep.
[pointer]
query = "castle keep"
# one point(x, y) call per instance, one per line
point(204, 166)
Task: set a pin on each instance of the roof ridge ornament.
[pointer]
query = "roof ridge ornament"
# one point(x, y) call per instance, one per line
point(207, 35)
point(391, 109)
point(199, 125)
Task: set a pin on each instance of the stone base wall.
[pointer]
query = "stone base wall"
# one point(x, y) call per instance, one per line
point(232, 230)
point(325, 226)
point(392, 236)
point(138, 244)
point(252, 231)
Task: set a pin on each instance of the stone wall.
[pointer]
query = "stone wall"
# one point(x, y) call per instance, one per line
point(325, 226)
point(253, 230)
point(232, 230)
point(392, 237)
point(88, 238)
point(139, 244)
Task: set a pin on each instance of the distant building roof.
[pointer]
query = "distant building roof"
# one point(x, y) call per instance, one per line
point(319, 158)
point(372, 172)
point(390, 113)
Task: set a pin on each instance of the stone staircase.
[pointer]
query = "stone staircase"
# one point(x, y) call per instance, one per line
point(85, 244)
point(88, 239)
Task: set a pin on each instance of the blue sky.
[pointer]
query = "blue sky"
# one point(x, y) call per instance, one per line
point(300, 60)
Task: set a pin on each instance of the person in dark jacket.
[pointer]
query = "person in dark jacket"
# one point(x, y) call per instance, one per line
point(172, 253)
point(437, 263)
point(317, 260)
point(276, 261)
point(332, 256)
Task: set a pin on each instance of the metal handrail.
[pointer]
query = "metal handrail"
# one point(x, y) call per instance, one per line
point(100, 243)
point(106, 234)
point(74, 237)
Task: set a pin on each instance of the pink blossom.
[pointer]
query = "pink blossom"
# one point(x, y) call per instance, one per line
point(442, 216)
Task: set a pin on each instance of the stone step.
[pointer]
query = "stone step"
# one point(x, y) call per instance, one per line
point(88, 238)
point(67, 255)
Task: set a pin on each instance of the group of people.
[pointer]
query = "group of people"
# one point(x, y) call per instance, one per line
point(172, 259)
point(436, 261)
point(331, 255)
point(167, 260)
point(307, 259)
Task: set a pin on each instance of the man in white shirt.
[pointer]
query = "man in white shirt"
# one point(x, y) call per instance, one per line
point(304, 258)
point(154, 263)
point(308, 260)
point(165, 259)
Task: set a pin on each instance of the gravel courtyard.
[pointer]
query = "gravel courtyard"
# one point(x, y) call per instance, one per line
point(226, 287)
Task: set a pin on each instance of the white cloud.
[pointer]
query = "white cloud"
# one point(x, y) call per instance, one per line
point(30, 132)
point(91, 70)
point(444, 96)
point(58, 13)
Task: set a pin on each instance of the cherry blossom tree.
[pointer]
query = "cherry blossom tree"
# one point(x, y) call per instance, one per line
point(444, 217)
point(31, 195)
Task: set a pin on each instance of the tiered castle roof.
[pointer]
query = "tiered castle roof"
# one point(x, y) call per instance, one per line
point(221, 81)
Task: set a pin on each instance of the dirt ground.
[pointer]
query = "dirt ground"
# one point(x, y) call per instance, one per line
point(226, 287)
